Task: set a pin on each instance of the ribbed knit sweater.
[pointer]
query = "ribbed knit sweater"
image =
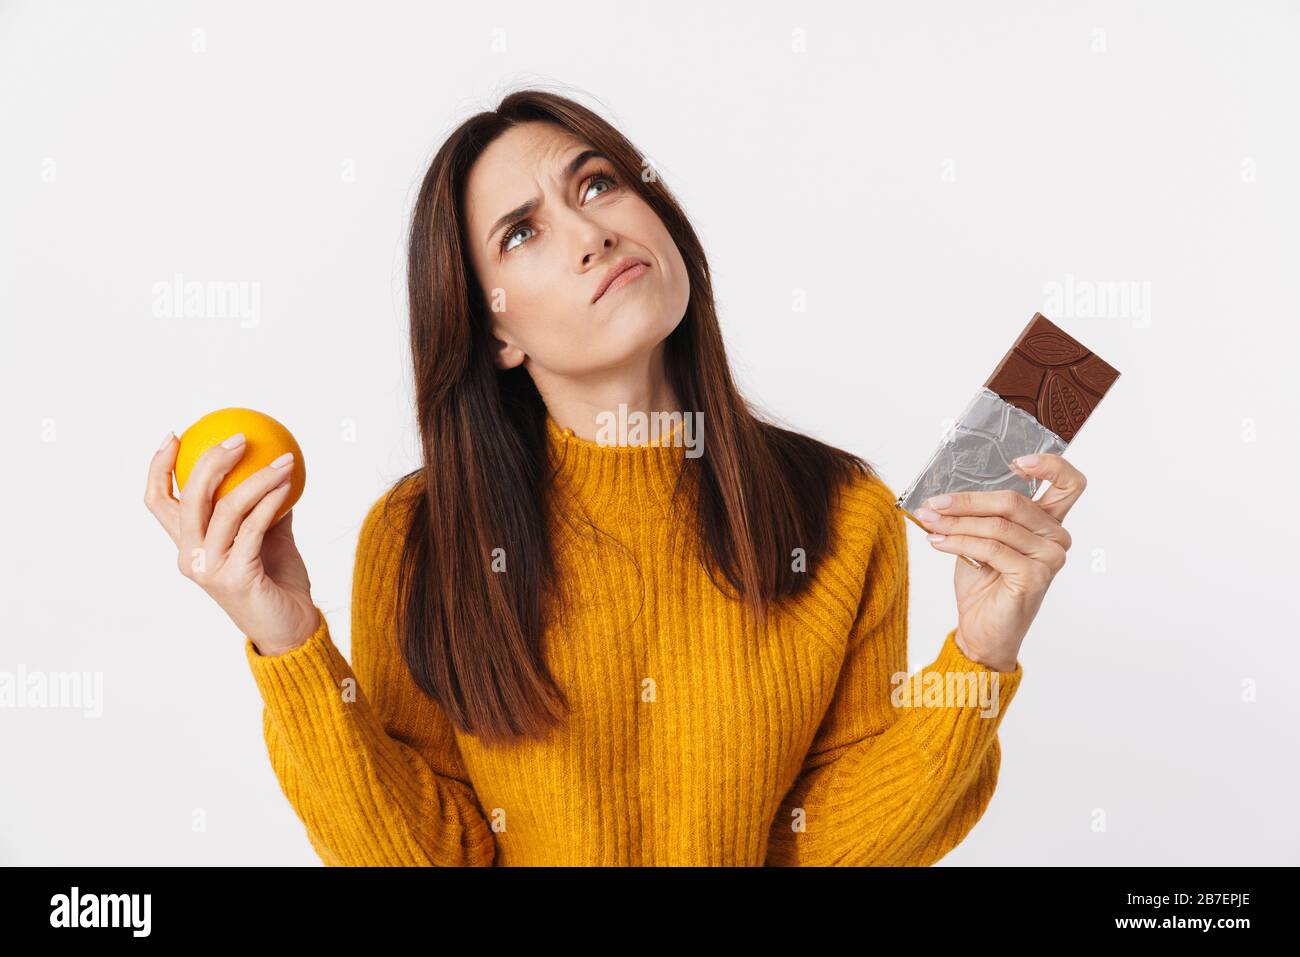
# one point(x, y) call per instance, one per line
point(696, 737)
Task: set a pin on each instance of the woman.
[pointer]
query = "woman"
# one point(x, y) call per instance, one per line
point(572, 650)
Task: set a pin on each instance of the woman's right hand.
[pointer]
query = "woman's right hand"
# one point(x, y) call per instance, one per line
point(253, 571)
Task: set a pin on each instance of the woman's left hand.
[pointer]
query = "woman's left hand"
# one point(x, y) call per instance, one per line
point(1021, 544)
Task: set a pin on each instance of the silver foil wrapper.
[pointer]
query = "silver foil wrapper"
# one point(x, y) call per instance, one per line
point(976, 453)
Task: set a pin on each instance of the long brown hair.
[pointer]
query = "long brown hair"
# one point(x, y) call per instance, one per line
point(472, 638)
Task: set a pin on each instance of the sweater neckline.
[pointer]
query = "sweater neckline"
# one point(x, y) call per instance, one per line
point(625, 484)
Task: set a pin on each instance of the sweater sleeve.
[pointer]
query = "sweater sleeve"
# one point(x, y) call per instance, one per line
point(899, 771)
point(369, 764)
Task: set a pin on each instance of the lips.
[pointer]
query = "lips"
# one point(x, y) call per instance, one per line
point(620, 267)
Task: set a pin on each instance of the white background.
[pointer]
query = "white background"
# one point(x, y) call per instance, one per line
point(918, 177)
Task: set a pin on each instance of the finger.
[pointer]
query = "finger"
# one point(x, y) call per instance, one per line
point(996, 527)
point(1022, 574)
point(233, 508)
point(1009, 504)
point(196, 497)
point(1067, 482)
point(248, 543)
point(158, 496)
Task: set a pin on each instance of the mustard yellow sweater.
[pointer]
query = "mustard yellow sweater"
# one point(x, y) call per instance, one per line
point(695, 737)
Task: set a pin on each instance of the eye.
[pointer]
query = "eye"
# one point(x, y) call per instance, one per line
point(515, 228)
point(598, 176)
point(512, 231)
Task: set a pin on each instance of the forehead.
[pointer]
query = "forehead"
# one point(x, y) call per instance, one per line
point(507, 170)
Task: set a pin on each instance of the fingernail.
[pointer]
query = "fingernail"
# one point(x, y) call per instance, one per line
point(936, 538)
point(1026, 461)
point(282, 461)
point(928, 515)
point(234, 442)
point(939, 501)
point(167, 438)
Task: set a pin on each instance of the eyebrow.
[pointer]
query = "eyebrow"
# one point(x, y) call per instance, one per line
point(523, 209)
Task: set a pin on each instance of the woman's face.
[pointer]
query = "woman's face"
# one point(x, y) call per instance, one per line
point(540, 284)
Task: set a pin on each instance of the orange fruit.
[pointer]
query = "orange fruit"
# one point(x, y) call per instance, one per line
point(265, 441)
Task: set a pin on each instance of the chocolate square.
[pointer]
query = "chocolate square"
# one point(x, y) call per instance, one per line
point(1052, 376)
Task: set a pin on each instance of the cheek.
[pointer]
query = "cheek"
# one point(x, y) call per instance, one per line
point(679, 283)
point(490, 285)
point(675, 289)
point(538, 304)
point(675, 282)
point(516, 294)
point(541, 315)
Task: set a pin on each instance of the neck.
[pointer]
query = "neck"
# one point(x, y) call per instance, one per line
point(594, 404)
point(616, 484)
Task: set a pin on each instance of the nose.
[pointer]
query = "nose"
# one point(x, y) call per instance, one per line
point(606, 244)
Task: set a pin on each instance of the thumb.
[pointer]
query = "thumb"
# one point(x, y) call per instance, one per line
point(1066, 482)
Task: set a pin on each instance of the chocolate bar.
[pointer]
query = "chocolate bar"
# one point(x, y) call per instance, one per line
point(1052, 376)
point(1036, 400)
